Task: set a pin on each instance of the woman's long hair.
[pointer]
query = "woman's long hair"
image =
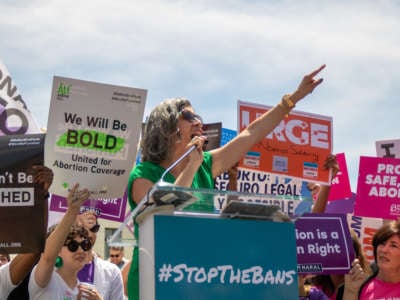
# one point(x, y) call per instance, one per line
point(161, 130)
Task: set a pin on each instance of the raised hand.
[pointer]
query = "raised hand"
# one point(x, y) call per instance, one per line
point(331, 163)
point(353, 280)
point(76, 197)
point(43, 175)
point(307, 85)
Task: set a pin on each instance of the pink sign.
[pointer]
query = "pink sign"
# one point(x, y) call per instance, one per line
point(340, 187)
point(378, 188)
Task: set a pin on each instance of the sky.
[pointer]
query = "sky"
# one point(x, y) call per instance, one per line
point(217, 52)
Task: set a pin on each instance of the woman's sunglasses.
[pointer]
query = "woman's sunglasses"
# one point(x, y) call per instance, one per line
point(189, 116)
point(95, 228)
point(73, 245)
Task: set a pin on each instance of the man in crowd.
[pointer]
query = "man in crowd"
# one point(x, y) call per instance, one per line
point(117, 257)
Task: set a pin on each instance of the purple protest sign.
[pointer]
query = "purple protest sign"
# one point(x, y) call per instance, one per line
point(323, 244)
point(378, 193)
point(111, 209)
point(342, 206)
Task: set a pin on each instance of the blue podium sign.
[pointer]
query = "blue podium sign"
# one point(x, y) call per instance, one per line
point(217, 258)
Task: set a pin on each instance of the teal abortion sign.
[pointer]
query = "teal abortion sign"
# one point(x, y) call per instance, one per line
point(215, 258)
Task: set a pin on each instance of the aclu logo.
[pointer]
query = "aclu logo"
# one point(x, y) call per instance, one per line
point(395, 209)
point(63, 91)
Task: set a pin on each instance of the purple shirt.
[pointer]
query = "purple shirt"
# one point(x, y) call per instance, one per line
point(315, 294)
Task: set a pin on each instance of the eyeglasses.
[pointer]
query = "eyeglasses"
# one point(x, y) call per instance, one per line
point(95, 228)
point(189, 116)
point(114, 255)
point(73, 245)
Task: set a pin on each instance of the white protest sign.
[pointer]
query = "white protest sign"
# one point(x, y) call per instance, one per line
point(388, 148)
point(15, 118)
point(92, 135)
point(365, 228)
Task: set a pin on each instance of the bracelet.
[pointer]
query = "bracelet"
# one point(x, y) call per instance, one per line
point(287, 103)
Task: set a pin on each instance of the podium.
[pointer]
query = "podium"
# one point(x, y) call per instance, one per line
point(209, 244)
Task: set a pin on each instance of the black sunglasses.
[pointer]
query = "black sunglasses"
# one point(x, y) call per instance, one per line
point(189, 116)
point(95, 228)
point(73, 245)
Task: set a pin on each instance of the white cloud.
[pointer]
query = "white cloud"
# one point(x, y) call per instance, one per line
point(215, 52)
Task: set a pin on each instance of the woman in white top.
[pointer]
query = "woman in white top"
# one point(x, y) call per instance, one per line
point(65, 253)
point(104, 276)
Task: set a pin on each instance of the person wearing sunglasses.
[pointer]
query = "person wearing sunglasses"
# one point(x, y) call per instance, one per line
point(117, 257)
point(66, 251)
point(173, 127)
point(102, 275)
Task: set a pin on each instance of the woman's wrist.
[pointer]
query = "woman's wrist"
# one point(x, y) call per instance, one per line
point(296, 96)
point(286, 103)
point(73, 210)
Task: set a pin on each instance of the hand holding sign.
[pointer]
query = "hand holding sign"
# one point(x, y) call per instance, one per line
point(43, 175)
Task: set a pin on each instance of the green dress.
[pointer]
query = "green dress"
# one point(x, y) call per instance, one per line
point(151, 171)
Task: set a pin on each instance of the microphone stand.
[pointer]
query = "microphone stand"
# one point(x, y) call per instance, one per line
point(175, 163)
point(176, 198)
point(160, 198)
